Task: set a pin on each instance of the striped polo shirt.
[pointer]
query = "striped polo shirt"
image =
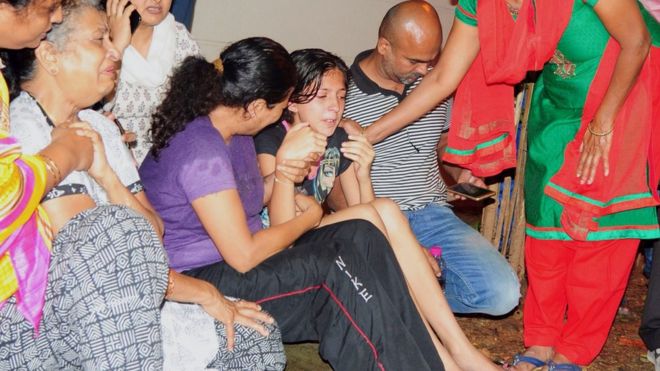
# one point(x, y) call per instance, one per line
point(406, 165)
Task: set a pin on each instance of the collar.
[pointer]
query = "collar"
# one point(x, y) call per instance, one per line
point(367, 85)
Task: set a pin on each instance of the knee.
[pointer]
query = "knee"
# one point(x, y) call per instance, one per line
point(505, 297)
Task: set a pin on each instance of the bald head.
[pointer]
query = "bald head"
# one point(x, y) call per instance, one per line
point(416, 20)
point(409, 40)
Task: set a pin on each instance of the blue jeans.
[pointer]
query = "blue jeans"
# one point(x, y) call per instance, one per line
point(478, 279)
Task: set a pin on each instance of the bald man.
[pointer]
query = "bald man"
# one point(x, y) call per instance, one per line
point(478, 279)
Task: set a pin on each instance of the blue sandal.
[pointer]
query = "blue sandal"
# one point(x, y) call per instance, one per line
point(519, 358)
point(552, 366)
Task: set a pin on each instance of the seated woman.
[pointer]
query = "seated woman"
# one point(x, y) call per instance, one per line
point(339, 284)
point(318, 102)
point(157, 46)
point(120, 274)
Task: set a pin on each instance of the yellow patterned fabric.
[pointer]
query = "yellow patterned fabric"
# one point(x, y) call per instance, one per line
point(25, 234)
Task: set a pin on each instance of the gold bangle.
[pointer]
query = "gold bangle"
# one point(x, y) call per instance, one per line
point(52, 168)
point(170, 283)
point(599, 134)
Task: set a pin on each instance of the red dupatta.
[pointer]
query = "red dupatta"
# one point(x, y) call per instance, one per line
point(482, 136)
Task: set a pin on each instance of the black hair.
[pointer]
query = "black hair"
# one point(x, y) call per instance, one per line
point(311, 65)
point(21, 64)
point(252, 68)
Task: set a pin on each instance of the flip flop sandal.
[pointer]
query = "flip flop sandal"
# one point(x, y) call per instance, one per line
point(537, 363)
point(552, 366)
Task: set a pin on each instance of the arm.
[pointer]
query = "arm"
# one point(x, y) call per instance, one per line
point(241, 249)
point(281, 205)
point(457, 57)
point(110, 182)
point(358, 176)
point(187, 289)
point(350, 186)
point(624, 22)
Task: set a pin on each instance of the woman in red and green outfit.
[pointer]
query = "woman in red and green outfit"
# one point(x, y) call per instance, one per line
point(593, 155)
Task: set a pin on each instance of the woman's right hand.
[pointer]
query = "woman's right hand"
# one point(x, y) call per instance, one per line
point(242, 312)
point(301, 143)
point(308, 205)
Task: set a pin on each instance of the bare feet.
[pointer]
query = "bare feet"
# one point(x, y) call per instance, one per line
point(542, 353)
point(473, 360)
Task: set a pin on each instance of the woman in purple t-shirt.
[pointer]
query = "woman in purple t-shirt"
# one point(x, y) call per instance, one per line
point(340, 284)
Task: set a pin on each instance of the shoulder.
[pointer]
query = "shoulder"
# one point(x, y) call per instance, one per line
point(186, 45)
point(28, 124)
point(268, 140)
point(197, 141)
point(466, 12)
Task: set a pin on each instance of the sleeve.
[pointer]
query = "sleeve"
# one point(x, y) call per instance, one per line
point(205, 166)
point(341, 136)
point(269, 140)
point(466, 12)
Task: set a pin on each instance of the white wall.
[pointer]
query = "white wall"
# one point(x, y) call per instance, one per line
point(344, 27)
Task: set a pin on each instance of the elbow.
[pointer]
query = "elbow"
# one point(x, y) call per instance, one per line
point(242, 263)
point(638, 45)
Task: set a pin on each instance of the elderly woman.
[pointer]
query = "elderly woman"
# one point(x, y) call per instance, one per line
point(118, 284)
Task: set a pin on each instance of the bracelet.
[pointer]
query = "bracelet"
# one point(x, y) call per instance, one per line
point(278, 180)
point(52, 168)
point(170, 283)
point(597, 133)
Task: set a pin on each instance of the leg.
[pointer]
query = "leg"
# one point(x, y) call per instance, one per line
point(339, 285)
point(425, 287)
point(650, 329)
point(107, 277)
point(478, 278)
point(595, 284)
point(545, 302)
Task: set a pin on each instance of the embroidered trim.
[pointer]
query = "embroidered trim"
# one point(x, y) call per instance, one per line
point(565, 68)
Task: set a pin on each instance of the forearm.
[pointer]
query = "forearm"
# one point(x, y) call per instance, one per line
point(187, 289)
point(282, 206)
point(120, 195)
point(270, 241)
point(366, 190)
point(627, 68)
point(64, 163)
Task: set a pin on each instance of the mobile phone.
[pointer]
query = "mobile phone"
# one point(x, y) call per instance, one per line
point(135, 20)
point(470, 191)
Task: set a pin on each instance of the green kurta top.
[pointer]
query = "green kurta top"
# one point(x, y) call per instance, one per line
point(555, 117)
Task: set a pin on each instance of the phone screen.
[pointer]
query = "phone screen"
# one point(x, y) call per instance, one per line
point(470, 190)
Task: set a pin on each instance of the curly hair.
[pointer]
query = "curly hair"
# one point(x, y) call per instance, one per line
point(311, 65)
point(253, 68)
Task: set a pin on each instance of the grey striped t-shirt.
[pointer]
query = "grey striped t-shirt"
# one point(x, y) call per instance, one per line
point(406, 165)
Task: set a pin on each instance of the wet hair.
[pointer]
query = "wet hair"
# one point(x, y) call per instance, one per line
point(253, 68)
point(311, 66)
point(22, 64)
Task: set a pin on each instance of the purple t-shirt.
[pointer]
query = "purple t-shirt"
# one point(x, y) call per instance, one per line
point(197, 163)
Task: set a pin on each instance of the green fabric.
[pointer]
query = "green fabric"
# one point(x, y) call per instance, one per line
point(555, 117)
point(468, 6)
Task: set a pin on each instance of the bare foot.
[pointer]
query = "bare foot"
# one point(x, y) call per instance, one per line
point(543, 353)
point(474, 360)
point(559, 358)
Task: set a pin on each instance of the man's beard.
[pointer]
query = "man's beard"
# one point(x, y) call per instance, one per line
point(409, 78)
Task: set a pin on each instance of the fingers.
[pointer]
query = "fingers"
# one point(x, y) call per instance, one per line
point(229, 327)
point(593, 150)
point(433, 263)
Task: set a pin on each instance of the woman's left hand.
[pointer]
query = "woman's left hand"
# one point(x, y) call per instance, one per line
point(593, 149)
point(358, 149)
point(119, 12)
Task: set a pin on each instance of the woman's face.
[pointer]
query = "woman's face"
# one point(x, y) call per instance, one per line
point(325, 110)
point(152, 12)
point(26, 27)
point(87, 63)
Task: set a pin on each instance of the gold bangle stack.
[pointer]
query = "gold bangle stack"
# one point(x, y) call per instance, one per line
point(52, 168)
point(595, 133)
